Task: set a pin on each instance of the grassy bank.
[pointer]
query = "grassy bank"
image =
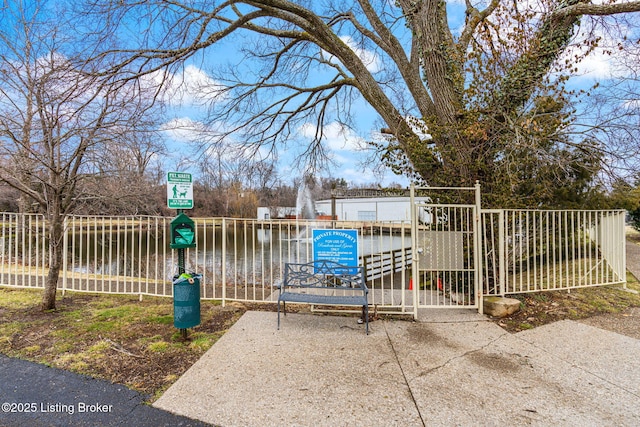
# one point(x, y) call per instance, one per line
point(114, 337)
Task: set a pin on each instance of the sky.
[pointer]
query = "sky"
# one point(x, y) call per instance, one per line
point(348, 147)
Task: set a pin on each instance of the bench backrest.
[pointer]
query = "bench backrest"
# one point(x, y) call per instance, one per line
point(323, 274)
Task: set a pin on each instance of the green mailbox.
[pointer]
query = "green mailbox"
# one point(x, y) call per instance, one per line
point(183, 232)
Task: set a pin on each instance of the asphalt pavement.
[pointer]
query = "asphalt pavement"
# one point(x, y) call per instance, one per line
point(36, 395)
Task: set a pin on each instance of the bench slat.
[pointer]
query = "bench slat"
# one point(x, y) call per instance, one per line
point(323, 299)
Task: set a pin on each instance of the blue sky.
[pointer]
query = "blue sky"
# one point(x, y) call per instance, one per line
point(347, 147)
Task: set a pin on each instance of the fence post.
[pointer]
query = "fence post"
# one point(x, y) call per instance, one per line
point(477, 250)
point(414, 250)
point(502, 262)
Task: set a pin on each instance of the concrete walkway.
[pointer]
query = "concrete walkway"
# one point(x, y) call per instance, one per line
point(324, 371)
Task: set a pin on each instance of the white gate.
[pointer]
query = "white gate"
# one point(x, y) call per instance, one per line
point(446, 246)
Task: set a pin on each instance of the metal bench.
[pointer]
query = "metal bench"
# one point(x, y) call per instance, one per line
point(324, 283)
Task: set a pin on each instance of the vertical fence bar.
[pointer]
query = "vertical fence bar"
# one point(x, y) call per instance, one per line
point(166, 256)
point(16, 253)
point(23, 248)
point(476, 253)
point(111, 239)
point(205, 262)
point(502, 269)
point(414, 250)
point(245, 264)
point(103, 240)
point(621, 254)
point(224, 263)
point(587, 247)
point(3, 253)
point(42, 249)
point(118, 253)
point(13, 225)
point(580, 219)
point(95, 235)
point(65, 251)
point(553, 282)
point(27, 247)
point(141, 229)
point(36, 244)
point(85, 247)
point(565, 281)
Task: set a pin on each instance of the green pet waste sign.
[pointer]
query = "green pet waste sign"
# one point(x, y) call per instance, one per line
point(340, 246)
point(179, 190)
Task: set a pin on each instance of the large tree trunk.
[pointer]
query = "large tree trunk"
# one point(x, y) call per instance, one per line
point(56, 233)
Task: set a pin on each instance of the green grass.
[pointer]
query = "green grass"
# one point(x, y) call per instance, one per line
point(159, 346)
point(163, 320)
point(116, 337)
point(23, 298)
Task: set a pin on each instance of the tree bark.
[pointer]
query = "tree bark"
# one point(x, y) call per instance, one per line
point(56, 234)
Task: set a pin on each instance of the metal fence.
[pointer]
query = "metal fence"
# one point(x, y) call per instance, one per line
point(242, 259)
point(538, 250)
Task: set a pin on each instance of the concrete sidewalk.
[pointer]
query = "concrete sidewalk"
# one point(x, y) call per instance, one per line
point(460, 370)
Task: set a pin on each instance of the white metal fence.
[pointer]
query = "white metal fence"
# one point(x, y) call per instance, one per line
point(535, 250)
point(242, 259)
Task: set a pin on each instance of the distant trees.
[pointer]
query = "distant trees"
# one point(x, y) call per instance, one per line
point(58, 117)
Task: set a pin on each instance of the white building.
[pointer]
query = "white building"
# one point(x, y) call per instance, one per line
point(370, 209)
point(265, 213)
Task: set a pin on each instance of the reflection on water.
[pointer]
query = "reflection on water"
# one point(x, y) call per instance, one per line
point(239, 248)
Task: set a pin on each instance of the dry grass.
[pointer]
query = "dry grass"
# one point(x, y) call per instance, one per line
point(546, 307)
point(114, 337)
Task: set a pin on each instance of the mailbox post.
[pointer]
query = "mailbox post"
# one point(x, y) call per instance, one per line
point(186, 287)
point(183, 233)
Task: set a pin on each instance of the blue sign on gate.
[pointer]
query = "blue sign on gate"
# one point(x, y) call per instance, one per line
point(340, 246)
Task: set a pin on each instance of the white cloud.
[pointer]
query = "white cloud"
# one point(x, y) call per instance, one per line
point(370, 59)
point(633, 104)
point(605, 63)
point(191, 87)
point(336, 136)
point(185, 130)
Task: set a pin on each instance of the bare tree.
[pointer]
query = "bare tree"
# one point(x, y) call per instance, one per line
point(55, 114)
point(232, 175)
point(121, 174)
point(469, 89)
point(616, 111)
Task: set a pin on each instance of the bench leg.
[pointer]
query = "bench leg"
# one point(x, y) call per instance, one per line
point(278, 315)
point(365, 317)
point(284, 308)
